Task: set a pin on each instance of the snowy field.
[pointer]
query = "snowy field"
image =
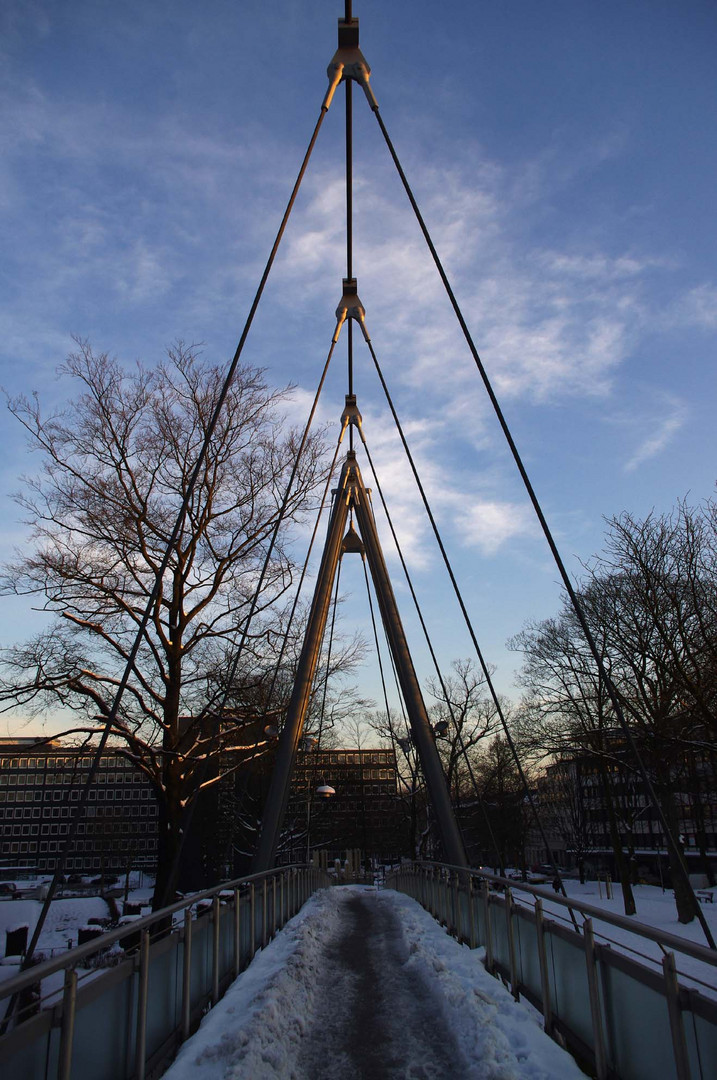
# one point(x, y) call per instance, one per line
point(404, 1000)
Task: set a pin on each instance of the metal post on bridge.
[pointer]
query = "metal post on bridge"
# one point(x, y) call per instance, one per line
point(216, 926)
point(69, 1001)
point(544, 973)
point(187, 975)
point(237, 932)
point(677, 1028)
point(595, 1009)
point(140, 1051)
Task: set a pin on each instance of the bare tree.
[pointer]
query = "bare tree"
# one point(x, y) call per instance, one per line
point(566, 712)
point(115, 467)
point(463, 716)
point(649, 599)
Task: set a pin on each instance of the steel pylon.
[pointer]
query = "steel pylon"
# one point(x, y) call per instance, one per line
point(352, 495)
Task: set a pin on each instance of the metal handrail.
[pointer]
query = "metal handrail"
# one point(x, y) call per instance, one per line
point(661, 937)
point(73, 957)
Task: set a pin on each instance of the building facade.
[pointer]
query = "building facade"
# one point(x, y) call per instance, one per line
point(40, 785)
point(589, 805)
point(362, 813)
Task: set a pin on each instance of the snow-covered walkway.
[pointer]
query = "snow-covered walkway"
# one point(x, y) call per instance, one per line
point(365, 984)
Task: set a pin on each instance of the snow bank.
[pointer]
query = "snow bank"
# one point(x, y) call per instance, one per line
point(257, 1029)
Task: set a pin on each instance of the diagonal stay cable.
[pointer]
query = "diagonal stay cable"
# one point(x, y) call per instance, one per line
point(375, 638)
point(246, 762)
point(217, 702)
point(113, 712)
point(562, 570)
point(479, 652)
point(434, 658)
point(304, 571)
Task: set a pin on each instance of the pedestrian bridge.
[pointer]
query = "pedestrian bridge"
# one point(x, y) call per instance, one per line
point(119, 1007)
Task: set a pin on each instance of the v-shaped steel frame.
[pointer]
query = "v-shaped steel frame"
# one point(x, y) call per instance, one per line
point(352, 495)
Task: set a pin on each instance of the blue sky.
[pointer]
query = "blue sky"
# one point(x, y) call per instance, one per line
point(564, 157)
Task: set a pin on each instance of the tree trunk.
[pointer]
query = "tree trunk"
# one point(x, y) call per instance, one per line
point(621, 864)
point(684, 901)
point(170, 839)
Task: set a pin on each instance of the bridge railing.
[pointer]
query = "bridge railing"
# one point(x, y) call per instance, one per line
point(619, 1016)
point(119, 1006)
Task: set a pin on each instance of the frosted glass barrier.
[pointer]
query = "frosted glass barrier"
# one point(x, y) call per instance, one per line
point(526, 952)
point(569, 984)
point(701, 1037)
point(638, 1034)
point(164, 1002)
point(201, 979)
point(499, 934)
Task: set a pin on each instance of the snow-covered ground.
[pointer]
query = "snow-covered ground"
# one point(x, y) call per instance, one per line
point(654, 908)
point(364, 983)
point(63, 922)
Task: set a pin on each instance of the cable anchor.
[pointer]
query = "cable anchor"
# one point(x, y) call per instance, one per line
point(349, 63)
point(351, 414)
point(350, 306)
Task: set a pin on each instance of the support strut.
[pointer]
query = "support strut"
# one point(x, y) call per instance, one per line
point(352, 494)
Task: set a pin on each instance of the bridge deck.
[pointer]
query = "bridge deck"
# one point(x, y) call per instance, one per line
point(364, 984)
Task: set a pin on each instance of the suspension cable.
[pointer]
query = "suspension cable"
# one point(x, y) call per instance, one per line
point(375, 638)
point(434, 658)
point(246, 762)
point(218, 701)
point(467, 620)
point(577, 606)
point(113, 712)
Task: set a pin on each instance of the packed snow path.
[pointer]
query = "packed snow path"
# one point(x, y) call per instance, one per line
point(373, 1013)
point(364, 985)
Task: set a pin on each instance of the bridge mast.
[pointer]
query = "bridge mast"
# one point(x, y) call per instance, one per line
point(353, 495)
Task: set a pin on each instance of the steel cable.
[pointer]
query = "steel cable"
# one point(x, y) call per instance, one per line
point(577, 606)
point(113, 712)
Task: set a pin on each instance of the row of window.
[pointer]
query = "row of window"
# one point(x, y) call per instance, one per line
point(359, 757)
point(75, 762)
point(106, 795)
point(143, 810)
point(67, 779)
point(21, 847)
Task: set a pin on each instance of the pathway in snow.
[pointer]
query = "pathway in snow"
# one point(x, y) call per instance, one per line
point(375, 1018)
point(364, 984)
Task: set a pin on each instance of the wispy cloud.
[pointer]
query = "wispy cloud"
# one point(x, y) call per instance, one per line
point(664, 423)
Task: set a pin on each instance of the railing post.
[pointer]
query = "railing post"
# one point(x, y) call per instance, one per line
point(488, 932)
point(283, 897)
point(456, 910)
point(486, 915)
point(252, 920)
point(237, 932)
point(187, 975)
point(264, 915)
point(595, 1009)
point(471, 913)
point(672, 993)
point(511, 944)
point(544, 973)
point(69, 1000)
point(140, 1050)
point(216, 927)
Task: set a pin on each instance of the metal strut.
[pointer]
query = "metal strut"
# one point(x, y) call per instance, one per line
point(353, 495)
